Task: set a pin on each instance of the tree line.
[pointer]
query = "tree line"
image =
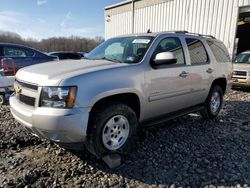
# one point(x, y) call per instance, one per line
point(73, 43)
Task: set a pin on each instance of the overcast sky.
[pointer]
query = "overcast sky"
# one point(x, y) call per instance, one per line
point(47, 18)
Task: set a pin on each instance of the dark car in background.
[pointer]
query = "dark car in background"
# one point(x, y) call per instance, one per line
point(83, 54)
point(66, 55)
point(13, 57)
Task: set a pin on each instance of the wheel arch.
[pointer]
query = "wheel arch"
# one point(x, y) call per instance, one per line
point(222, 82)
point(129, 98)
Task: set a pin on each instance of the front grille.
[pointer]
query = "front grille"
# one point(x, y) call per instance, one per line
point(27, 100)
point(26, 85)
point(240, 73)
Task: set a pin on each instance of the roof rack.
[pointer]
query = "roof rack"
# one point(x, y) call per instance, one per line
point(197, 34)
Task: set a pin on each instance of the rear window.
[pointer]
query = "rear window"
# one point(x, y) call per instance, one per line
point(197, 52)
point(219, 50)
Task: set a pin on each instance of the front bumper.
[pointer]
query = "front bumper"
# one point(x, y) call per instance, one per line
point(241, 82)
point(63, 126)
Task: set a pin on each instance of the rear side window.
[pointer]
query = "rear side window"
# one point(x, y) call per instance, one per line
point(17, 52)
point(197, 52)
point(219, 50)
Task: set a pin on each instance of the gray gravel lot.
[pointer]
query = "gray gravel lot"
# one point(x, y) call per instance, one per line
point(185, 152)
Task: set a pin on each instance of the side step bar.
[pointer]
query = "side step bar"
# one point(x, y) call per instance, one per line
point(172, 115)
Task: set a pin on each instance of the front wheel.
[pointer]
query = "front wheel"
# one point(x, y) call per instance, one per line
point(213, 103)
point(112, 130)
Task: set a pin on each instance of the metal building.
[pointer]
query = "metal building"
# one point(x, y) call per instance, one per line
point(227, 20)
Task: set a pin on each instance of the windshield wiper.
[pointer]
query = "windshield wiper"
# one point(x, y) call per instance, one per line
point(108, 59)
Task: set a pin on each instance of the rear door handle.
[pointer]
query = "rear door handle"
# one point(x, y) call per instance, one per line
point(210, 70)
point(184, 74)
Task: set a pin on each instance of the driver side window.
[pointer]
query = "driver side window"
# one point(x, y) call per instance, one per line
point(171, 44)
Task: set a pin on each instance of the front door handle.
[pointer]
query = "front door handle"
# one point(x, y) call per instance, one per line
point(209, 70)
point(184, 74)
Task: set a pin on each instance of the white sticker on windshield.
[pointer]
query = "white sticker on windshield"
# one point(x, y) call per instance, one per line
point(141, 41)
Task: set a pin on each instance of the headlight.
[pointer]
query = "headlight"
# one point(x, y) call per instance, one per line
point(58, 97)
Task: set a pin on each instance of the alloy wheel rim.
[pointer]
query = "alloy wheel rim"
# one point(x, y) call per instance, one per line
point(115, 132)
point(215, 102)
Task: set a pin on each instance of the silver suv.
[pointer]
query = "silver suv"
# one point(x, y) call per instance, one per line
point(241, 73)
point(125, 82)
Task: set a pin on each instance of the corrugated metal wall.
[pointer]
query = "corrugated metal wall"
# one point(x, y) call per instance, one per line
point(212, 17)
point(119, 24)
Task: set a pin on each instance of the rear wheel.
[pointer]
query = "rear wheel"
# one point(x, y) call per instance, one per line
point(213, 103)
point(111, 130)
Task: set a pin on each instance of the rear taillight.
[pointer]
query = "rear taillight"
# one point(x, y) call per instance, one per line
point(6, 69)
point(4, 66)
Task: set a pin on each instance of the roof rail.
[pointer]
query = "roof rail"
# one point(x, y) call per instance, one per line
point(202, 35)
point(186, 32)
point(179, 32)
point(209, 36)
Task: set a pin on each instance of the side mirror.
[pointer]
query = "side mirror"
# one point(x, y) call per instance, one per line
point(165, 58)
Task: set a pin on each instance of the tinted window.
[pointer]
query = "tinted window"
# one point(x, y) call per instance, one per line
point(17, 52)
point(219, 50)
point(197, 51)
point(171, 45)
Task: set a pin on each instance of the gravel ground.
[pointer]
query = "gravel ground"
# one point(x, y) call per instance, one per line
point(185, 152)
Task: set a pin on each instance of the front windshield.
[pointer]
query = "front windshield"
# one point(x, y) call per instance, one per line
point(123, 49)
point(243, 58)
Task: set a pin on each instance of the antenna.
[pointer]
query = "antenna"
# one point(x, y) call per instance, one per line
point(149, 31)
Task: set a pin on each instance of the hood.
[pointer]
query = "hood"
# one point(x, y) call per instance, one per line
point(241, 66)
point(53, 73)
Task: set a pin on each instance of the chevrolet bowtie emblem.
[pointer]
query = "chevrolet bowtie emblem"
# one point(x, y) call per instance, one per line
point(17, 89)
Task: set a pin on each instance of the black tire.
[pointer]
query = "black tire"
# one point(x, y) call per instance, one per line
point(207, 113)
point(97, 122)
point(2, 100)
